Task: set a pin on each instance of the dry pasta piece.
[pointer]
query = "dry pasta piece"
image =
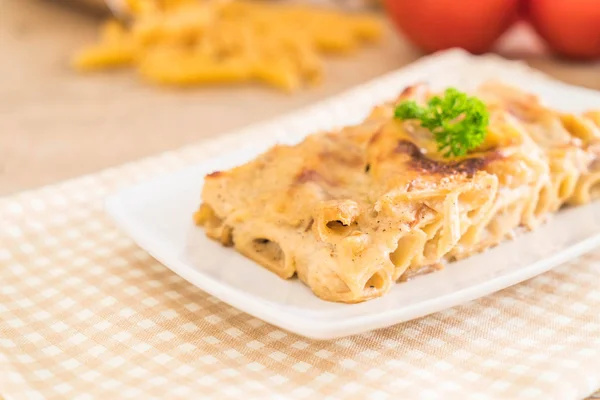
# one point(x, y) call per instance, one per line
point(367, 28)
point(104, 56)
point(335, 42)
point(112, 31)
point(277, 73)
point(115, 49)
point(215, 41)
point(141, 6)
point(137, 7)
point(182, 69)
point(307, 61)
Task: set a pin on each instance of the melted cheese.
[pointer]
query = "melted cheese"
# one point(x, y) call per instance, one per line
point(351, 212)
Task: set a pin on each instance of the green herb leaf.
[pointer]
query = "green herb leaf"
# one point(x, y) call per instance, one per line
point(458, 122)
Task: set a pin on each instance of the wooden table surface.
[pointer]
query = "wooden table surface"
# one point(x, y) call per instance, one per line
point(56, 124)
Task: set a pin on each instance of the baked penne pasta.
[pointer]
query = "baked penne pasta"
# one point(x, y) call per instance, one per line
point(351, 212)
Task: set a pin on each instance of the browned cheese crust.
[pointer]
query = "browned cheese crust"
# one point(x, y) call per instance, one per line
point(352, 211)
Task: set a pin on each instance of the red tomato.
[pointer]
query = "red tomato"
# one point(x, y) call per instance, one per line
point(570, 27)
point(434, 25)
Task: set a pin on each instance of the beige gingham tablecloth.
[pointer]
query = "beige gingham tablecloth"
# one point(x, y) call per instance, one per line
point(86, 314)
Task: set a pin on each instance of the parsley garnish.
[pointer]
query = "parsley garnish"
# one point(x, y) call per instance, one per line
point(458, 122)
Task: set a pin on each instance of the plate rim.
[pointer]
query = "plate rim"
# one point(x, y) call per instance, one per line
point(316, 328)
point(303, 325)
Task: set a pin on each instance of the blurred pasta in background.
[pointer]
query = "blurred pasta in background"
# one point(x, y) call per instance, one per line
point(191, 42)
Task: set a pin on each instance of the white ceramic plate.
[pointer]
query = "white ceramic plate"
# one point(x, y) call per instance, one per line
point(157, 215)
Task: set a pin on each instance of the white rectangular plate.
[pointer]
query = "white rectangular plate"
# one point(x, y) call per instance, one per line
point(158, 215)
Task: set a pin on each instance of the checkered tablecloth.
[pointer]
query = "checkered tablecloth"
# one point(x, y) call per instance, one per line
point(85, 314)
